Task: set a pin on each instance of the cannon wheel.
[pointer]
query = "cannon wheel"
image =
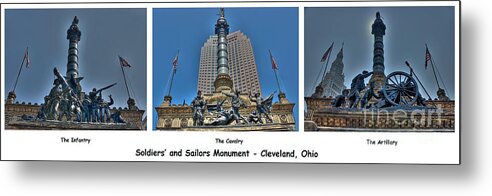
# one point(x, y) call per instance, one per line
point(400, 89)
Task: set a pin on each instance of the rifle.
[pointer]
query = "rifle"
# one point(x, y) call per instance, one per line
point(65, 85)
point(105, 88)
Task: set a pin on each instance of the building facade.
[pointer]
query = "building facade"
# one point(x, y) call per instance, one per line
point(322, 116)
point(241, 61)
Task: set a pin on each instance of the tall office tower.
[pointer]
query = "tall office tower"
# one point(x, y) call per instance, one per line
point(241, 63)
point(333, 82)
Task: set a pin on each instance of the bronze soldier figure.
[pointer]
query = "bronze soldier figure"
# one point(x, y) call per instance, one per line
point(357, 86)
point(236, 104)
point(198, 105)
point(263, 106)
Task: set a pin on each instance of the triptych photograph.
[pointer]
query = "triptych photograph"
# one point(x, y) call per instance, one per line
point(232, 82)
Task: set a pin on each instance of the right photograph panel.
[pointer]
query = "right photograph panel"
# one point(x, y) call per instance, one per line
point(380, 69)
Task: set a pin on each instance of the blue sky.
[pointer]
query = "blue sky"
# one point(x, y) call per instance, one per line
point(407, 31)
point(187, 30)
point(106, 33)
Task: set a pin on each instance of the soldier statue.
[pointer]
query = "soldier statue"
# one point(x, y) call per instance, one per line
point(41, 114)
point(86, 109)
point(74, 29)
point(65, 106)
point(198, 105)
point(117, 117)
point(368, 95)
point(224, 117)
point(52, 101)
point(105, 111)
point(263, 106)
point(253, 117)
point(236, 104)
point(357, 86)
point(94, 107)
point(339, 101)
point(70, 103)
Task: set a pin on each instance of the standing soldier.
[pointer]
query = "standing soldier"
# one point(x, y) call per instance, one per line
point(357, 86)
point(198, 105)
point(263, 106)
point(236, 104)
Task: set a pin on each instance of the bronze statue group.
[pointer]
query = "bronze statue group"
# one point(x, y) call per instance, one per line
point(63, 102)
point(226, 117)
point(357, 102)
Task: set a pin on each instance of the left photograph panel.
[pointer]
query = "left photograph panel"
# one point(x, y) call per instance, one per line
point(75, 69)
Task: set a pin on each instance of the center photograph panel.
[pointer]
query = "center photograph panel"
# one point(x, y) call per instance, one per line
point(225, 69)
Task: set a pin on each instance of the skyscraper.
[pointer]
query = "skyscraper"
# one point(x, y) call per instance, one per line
point(333, 82)
point(241, 61)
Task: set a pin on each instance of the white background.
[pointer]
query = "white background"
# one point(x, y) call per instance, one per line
point(332, 147)
point(472, 177)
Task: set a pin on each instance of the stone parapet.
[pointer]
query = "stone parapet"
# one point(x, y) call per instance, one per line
point(178, 117)
point(324, 116)
point(14, 112)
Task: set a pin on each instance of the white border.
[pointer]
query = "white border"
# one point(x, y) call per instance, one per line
point(333, 147)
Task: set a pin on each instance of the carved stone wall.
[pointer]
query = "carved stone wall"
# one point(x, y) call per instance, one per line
point(321, 112)
point(172, 117)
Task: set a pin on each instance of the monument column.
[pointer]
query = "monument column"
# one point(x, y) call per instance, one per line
point(378, 30)
point(223, 81)
point(72, 74)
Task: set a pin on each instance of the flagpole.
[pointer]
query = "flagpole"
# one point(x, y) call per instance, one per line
point(171, 85)
point(432, 64)
point(275, 71)
point(440, 77)
point(327, 60)
point(20, 70)
point(126, 85)
point(316, 81)
point(324, 72)
point(175, 62)
point(438, 73)
point(278, 84)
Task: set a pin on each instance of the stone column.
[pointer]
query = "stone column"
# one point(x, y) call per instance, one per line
point(223, 81)
point(378, 30)
point(72, 74)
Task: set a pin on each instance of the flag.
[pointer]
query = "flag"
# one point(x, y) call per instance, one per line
point(175, 61)
point(27, 59)
point(427, 56)
point(325, 56)
point(123, 62)
point(274, 63)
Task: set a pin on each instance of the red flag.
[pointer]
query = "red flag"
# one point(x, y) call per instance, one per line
point(123, 62)
point(175, 61)
point(325, 56)
point(26, 57)
point(427, 56)
point(274, 63)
